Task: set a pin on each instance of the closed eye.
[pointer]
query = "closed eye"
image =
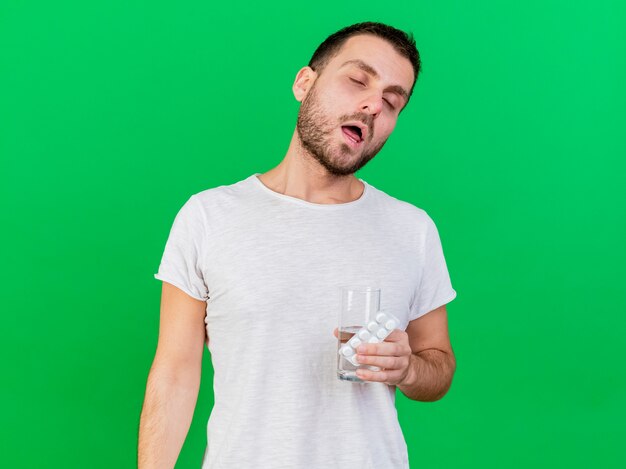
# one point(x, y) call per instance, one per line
point(357, 81)
point(389, 104)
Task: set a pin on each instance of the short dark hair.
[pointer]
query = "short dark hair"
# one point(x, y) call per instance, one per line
point(403, 43)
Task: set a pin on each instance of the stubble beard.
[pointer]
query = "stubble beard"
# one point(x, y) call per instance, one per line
point(315, 132)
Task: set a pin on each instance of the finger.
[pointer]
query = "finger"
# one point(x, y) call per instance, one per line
point(397, 336)
point(389, 363)
point(382, 376)
point(387, 349)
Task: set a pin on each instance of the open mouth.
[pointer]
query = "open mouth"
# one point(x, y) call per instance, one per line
point(353, 132)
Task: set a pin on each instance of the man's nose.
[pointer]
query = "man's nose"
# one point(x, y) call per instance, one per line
point(373, 105)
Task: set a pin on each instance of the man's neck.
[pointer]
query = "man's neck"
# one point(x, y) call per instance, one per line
point(300, 175)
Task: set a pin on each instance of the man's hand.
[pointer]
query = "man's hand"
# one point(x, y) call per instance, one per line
point(393, 356)
point(419, 361)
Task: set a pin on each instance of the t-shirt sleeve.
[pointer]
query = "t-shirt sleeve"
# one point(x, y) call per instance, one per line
point(435, 288)
point(181, 261)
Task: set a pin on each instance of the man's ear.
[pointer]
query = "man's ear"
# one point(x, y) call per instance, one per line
point(303, 82)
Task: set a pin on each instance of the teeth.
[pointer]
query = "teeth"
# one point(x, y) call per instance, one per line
point(353, 139)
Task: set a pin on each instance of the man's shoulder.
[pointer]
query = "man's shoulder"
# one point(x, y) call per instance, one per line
point(223, 194)
point(398, 207)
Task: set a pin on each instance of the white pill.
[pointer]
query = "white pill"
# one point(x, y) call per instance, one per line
point(374, 340)
point(363, 334)
point(381, 317)
point(391, 324)
point(382, 333)
point(347, 351)
point(355, 342)
point(372, 326)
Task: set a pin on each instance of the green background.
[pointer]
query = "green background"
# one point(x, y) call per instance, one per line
point(113, 113)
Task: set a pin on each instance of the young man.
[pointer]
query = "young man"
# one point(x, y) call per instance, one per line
point(254, 269)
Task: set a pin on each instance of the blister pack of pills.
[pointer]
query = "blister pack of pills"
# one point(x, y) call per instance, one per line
point(375, 331)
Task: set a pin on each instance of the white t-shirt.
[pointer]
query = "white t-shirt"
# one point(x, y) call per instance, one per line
point(270, 267)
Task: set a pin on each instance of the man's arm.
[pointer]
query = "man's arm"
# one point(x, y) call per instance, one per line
point(419, 360)
point(174, 380)
point(432, 363)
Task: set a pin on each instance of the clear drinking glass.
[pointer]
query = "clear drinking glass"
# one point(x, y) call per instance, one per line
point(358, 305)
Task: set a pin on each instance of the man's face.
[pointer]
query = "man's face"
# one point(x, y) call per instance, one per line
point(352, 107)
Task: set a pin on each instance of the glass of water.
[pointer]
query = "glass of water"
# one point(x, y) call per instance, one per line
point(359, 304)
